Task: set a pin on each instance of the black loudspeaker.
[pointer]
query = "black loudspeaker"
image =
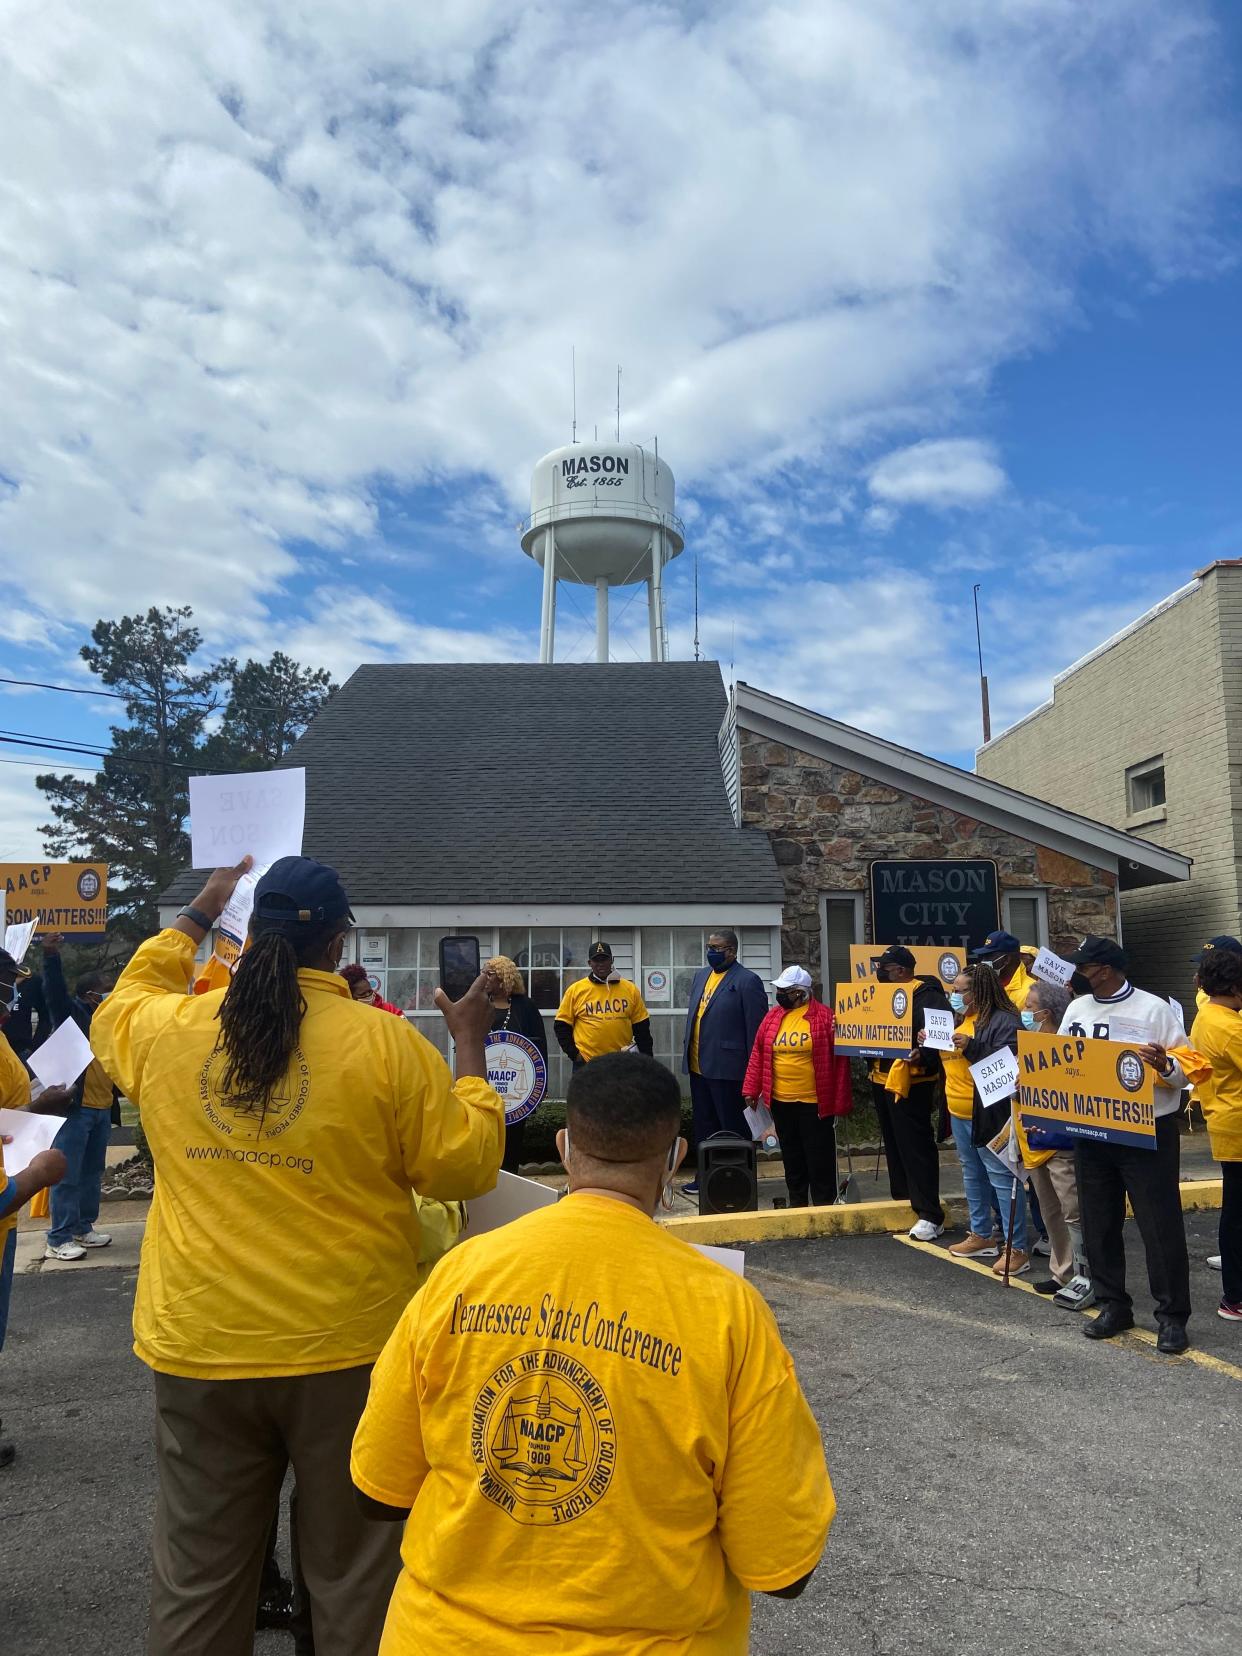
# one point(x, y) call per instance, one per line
point(728, 1175)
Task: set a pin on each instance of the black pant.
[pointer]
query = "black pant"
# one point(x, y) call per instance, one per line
point(514, 1137)
point(1231, 1231)
point(1107, 1174)
point(718, 1108)
point(809, 1151)
point(906, 1126)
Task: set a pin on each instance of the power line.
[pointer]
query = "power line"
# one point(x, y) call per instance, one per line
point(137, 696)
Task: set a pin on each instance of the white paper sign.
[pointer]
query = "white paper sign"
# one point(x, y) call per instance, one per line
point(512, 1197)
point(259, 813)
point(1130, 1030)
point(1052, 968)
point(1178, 1012)
point(733, 1259)
point(30, 1134)
point(17, 939)
point(938, 1025)
point(62, 1057)
point(996, 1077)
point(235, 920)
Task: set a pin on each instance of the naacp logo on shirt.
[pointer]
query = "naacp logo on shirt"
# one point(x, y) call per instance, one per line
point(1130, 1071)
point(542, 1436)
point(900, 1001)
point(248, 1123)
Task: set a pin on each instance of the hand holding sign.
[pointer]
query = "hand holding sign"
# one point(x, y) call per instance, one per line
point(259, 813)
point(996, 1078)
point(938, 1030)
point(1051, 968)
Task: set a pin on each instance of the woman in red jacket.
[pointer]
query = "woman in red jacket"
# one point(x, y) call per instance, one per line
point(794, 1068)
point(360, 988)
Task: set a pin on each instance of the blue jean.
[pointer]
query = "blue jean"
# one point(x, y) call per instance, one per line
point(1003, 1182)
point(75, 1200)
point(980, 1201)
point(6, 1281)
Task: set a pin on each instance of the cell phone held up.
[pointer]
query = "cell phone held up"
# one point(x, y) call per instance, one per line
point(459, 965)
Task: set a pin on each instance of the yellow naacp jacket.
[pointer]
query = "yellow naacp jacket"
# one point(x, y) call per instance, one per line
point(14, 1095)
point(284, 1241)
point(1217, 1034)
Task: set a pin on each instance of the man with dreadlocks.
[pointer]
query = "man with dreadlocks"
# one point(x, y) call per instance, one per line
point(288, 1127)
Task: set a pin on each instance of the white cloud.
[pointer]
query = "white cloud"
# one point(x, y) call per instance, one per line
point(954, 471)
point(267, 259)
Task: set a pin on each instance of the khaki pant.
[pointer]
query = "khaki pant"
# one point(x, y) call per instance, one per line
point(1056, 1186)
point(222, 1449)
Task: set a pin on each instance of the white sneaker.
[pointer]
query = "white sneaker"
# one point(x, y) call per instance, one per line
point(64, 1250)
point(925, 1231)
point(93, 1238)
point(1042, 1247)
point(1214, 1262)
point(1077, 1294)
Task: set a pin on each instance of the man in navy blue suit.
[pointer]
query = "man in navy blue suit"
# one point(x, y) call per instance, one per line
point(727, 1004)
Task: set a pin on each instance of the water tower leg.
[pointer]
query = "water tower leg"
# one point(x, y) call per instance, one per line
point(601, 619)
point(655, 597)
point(547, 620)
point(652, 625)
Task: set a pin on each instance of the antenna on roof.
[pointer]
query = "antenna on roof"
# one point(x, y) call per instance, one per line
point(573, 369)
point(696, 606)
point(732, 647)
point(618, 402)
point(983, 679)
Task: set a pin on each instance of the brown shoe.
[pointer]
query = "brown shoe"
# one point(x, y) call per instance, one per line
point(974, 1247)
point(1019, 1264)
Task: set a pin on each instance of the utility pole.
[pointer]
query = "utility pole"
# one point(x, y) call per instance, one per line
point(983, 678)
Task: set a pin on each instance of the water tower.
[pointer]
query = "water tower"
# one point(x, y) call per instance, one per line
point(601, 515)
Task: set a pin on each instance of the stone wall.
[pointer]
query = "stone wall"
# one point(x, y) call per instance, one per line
point(827, 824)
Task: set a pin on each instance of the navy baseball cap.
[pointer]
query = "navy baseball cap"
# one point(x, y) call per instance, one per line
point(1230, 945)
point(895, 955)
point(1098, 951)
point(995, 944)
point(301, 892)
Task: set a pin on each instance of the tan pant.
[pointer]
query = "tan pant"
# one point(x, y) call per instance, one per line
point(1056, 1186)
point(222, 1448)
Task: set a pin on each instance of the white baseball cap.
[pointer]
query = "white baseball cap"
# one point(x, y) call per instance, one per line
point(793, 977)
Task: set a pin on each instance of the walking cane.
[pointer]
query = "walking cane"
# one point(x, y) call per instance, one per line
point(1013, 1209)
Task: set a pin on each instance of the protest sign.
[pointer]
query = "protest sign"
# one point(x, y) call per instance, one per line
point(259, 813)
point(17, 939)
point(946, 964)
point(62, 1057)
point(512, 1197)
point(938, 1027)
point(1051, 968)
point(733, 1259)
point(29, 1134)
point(874, 1019)
point(58, 897)
point(516, 1070)
point(995, 1078)
point(1098, 1090)
point(1178, 1012)
point(1130, 1031)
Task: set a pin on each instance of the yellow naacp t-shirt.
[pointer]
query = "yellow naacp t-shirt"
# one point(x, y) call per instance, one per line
point(1019, 986)
point(598, 1460)
point(793, 1069)
point(709, 989)
point(285, 1240)
point(959, 1086)
point(14, 1095)
point(603, 1015)
point(1217, 1034)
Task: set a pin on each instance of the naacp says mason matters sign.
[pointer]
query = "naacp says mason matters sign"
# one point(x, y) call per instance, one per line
point(953, 901)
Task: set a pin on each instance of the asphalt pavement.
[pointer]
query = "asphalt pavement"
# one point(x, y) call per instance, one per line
point(1006, 1487)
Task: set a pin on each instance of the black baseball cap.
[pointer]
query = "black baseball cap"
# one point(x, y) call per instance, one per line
point(301, 892)
point(600, 950)
point(895, 955)
point(1229, 945)
point(1098, 951)
point(10, 971)
point(995, 944)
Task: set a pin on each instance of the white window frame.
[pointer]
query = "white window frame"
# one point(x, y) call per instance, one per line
point(859, 901)
point(1040, 898)
point(1140, 815)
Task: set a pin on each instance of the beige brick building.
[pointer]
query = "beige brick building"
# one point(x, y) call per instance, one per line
point(1145, 734)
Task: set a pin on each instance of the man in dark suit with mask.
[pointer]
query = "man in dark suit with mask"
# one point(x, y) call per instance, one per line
point(727, 1004)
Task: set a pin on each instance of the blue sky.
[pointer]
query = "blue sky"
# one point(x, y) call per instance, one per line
point(913, 295)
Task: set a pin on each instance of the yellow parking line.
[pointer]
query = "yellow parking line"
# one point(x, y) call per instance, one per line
point(1143, 1336)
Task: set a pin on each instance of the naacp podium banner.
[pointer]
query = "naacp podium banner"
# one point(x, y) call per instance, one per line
point(516, 1070)
point(1099, 1091)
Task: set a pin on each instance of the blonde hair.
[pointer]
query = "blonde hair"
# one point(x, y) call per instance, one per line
point(511, 980)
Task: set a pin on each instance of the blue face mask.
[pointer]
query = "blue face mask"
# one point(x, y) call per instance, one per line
point(1028, 1020)
point(717, 959)
point(957, 1002)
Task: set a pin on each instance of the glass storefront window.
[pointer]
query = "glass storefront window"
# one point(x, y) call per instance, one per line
point(550, 958)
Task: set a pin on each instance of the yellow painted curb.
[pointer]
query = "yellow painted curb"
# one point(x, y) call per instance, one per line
point(1199, 1194)
point(778, 1224)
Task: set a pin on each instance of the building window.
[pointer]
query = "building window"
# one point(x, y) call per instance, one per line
point(841, 924)
point(1026, 916)
point(550, 958)
point(1145, 786)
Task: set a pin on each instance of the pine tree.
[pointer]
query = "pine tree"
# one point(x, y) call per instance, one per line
point(270, 704)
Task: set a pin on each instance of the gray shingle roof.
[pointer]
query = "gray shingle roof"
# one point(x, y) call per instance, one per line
point(520, 783)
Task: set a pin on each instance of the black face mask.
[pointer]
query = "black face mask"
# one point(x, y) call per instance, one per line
point(788, 998)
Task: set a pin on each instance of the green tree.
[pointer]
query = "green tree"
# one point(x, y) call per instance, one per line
point(270, 704)
point(132, 814)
